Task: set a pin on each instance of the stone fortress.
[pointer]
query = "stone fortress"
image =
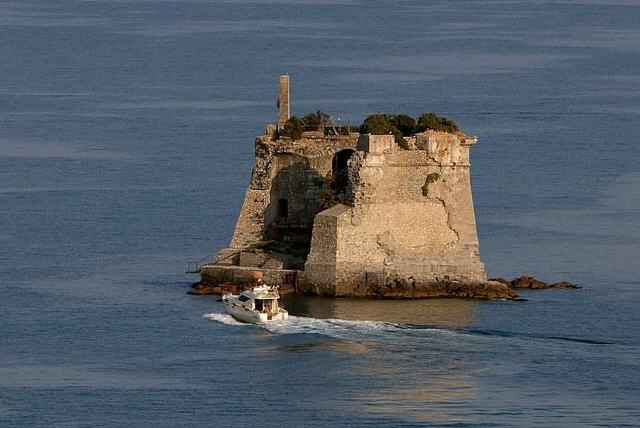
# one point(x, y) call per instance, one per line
point(337, 213)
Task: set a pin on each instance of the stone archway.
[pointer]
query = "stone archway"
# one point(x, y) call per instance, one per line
point(339, 171)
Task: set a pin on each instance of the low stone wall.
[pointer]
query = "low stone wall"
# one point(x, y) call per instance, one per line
point(360, 284)
point(213, 276)
point(416, 288)
point(351, 280)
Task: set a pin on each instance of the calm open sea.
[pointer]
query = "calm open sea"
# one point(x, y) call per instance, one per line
point(126, 141)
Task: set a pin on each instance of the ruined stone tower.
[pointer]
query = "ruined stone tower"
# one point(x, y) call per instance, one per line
point(408, 218)
point(342, 214)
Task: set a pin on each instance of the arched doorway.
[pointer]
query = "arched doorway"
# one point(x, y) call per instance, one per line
point(339, 170)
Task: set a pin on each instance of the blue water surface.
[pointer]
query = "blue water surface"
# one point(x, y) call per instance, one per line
point(126, 142)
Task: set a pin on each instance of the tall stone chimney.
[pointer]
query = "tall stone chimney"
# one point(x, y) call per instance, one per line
point(284, 112)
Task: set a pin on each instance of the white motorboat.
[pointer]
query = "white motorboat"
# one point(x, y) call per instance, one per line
point(255, 305)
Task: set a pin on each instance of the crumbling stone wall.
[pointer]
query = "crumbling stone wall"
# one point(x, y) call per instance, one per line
point(408, 216)
point(286, 170)
point(402, 226)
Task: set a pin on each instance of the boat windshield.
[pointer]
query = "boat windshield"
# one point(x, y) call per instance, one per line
point(264, 305)
point(243, 298)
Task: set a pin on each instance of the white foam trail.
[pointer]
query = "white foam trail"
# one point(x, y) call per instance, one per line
point(336, 328)
point(223, 318)
point(329, 327)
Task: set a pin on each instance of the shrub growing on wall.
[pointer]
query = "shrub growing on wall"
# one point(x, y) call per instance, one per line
point(293, 128)
point(403, 143)
point(400, 125)
point(435, 122)
point(380, 124)
point(431, 178)
point(405, 124)
point(319, 118)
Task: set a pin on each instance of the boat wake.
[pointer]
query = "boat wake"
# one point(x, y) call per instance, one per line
point(223, 318)
point(336, 328)
point(386, 331)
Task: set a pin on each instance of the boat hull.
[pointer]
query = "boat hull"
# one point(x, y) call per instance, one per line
point(242, 313)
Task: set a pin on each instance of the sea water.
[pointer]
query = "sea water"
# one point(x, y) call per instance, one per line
point(126, 142)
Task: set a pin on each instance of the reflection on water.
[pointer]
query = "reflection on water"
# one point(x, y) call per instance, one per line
point(305, 343)
point(453, 313)
point(417, 366)
point(437, 399)
point(415, 374)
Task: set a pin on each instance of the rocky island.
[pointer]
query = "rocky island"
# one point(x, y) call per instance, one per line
point(381, 210)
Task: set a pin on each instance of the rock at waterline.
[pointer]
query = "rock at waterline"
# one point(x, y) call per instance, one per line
point(502, 281)
point(564, 284)
point(531, 283)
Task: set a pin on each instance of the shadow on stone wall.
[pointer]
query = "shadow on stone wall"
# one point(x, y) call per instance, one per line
point(294, 202)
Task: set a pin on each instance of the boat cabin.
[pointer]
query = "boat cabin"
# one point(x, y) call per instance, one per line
point(266, 306)
point(260, 300)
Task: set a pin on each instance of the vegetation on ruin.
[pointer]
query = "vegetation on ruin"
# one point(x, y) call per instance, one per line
point(381, 124)
point(401, 125)
point(398, 124)
point(405, 124)
point(433, 121)
point(319, 119)
point(431, 178)
point(293, 128)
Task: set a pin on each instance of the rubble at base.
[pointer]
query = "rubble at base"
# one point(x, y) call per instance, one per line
point(531, 283)
point(391, 288)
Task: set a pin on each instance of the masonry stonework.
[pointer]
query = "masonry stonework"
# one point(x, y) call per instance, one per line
point(336, 213)
point(409, 216)
point(284, 110)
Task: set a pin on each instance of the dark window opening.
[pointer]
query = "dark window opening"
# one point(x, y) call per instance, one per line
point(340, 170)
point(283, 208)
